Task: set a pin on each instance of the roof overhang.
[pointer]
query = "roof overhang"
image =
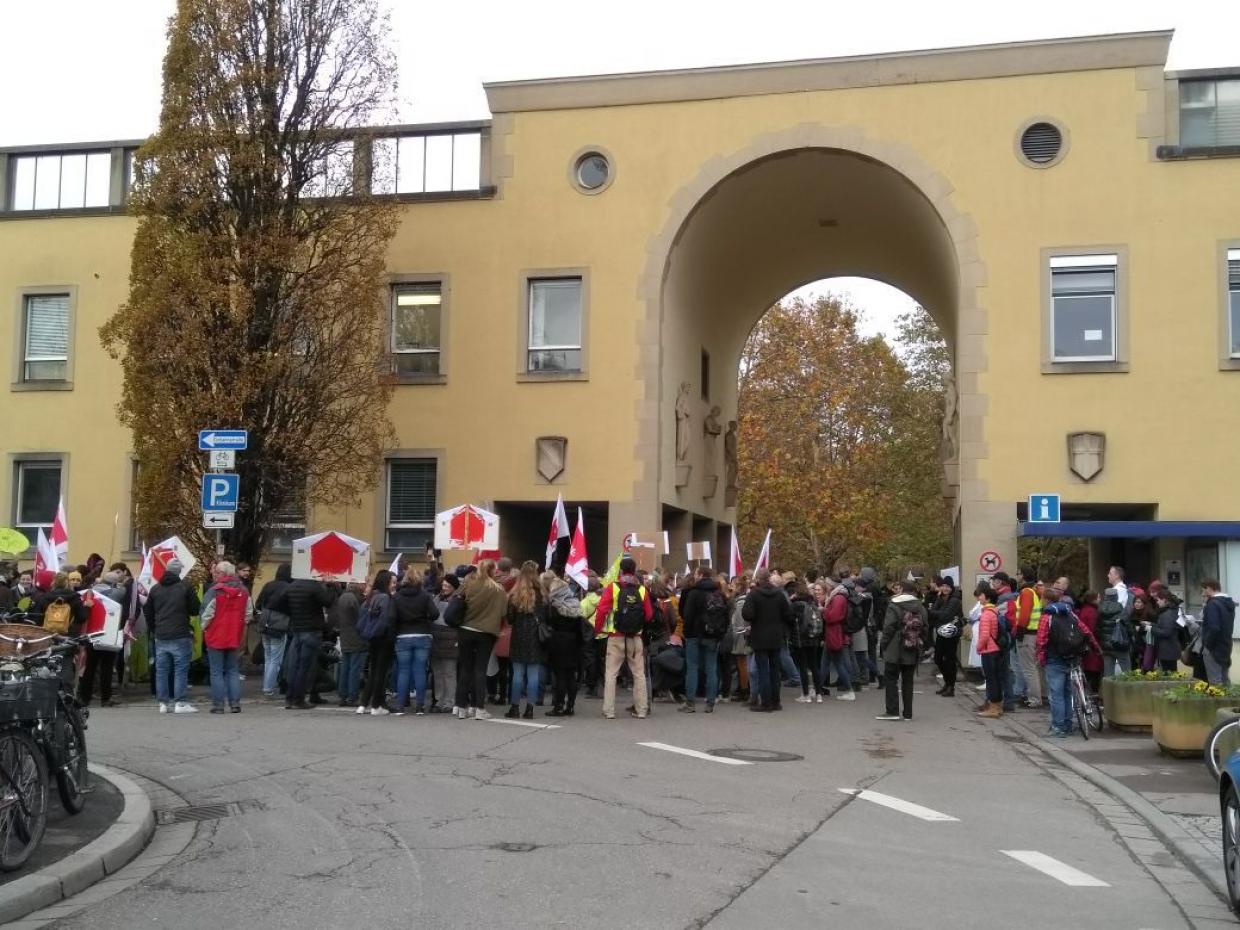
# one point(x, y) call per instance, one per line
point(965, 63)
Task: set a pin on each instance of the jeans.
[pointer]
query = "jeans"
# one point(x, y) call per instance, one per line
point(701, 652)
point(225, 677)
point(172, 657)
point(899, 683)
point(349, 675)
point(1019, 687)
point(788, 667)
point(1216, 672)
point(413, 655)
point(1059, 688)
point(303, 663)
point(473, 652)
point(273, 659)
point(837, 658)
point(992, 668)
point(525, 677)
point(768, 676)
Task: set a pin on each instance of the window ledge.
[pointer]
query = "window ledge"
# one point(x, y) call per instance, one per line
point(419, 379)
point(531, 376)
point(1084, 368)
point(41, 386)
point(60, 212)
point(1229, 364)
point(1188, 152)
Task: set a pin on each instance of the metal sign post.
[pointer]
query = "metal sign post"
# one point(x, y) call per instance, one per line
point(220, 487)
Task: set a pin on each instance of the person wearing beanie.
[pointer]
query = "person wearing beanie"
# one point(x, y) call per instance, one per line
point(168, 608)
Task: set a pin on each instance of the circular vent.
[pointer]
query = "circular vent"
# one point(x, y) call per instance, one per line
point(1041, 143)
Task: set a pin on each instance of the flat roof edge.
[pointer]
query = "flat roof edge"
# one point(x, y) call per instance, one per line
point(973, 62)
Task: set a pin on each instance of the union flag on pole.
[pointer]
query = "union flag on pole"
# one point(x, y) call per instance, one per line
point(559, 530)
point(764, 557)
point(60, 536)
point(577, 567)
point(735, 566)
point(44, 555)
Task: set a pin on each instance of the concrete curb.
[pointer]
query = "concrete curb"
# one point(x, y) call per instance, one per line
point(99, 858)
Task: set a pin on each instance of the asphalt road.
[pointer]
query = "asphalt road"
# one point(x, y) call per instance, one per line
point(432, 822)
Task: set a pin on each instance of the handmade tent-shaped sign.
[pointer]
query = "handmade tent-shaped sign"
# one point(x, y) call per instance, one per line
point(331, 556)
point(466, 527)
point(157, 560)
point(104, 624)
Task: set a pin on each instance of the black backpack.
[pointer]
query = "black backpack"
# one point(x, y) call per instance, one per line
point(628, 610)
point(911, 629)
point(809, 622)
point(374, 618)
point(1065, 637)
point(860, 605)
point(715, 620)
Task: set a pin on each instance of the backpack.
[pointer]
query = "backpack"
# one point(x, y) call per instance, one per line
point(809, 623)
point(226, 628)
point(1065, 637)
point(911, 627)
point(628, 611)
point(273, 622)
point(1119, 639)
point(57, 616)
point(1003, 636)
point(860, 606)
point(716, 621)
point(373, 619)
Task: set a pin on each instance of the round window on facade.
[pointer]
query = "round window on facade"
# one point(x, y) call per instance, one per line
point(592, 172)
point(1042, 144)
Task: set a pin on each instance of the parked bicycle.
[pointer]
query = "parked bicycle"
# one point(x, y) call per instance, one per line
point(42, 734)
point(1084, 702)
point(1224, 734)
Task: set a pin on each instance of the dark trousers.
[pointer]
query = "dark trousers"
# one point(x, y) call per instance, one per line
point(596, 664)
point(767, 661)
point(565, 693)
point(378, 667)
point(472, 655)
point(808, 660)
point(99, 662)
point(303, 664)
point(1168, 665)
point(899, 686)
point(945, 659)
point(994, 668)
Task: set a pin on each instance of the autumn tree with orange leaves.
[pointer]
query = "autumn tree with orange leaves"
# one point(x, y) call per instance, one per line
point(838, 450)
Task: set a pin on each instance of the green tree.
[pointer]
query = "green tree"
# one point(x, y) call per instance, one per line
point(255, 276)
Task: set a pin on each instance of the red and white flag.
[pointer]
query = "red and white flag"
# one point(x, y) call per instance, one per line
point(764, 557)
point(735, 566)
point(394, 568)
point(577, 567)
point(60, 536)
point(45, 555)
point(559, 530)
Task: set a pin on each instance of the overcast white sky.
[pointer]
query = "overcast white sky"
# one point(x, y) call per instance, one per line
point(77, 70)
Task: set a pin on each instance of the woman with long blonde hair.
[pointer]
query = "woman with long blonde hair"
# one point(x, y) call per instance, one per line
point(526, 607)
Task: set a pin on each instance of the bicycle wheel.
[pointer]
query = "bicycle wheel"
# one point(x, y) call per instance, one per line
point(1213, 752)
point(23, 798)
point(1079, 702)
point(72, 775)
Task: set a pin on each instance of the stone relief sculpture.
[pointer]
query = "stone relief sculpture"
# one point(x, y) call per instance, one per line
point(729, 465)
point(711, 430)
point(683, 415)
point(951, 420)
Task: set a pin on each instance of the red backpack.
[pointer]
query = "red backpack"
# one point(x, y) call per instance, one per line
point(227, 627)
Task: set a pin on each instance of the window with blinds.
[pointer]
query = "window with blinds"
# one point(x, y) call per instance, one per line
point(412, 486)
point(1210, 112)
point(45, 328)
point(1233, 300)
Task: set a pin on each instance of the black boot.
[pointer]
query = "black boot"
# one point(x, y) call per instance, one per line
point(568, 711)
point(513, 712)
point(554, 712)
point(529, 711)
point(949, 691)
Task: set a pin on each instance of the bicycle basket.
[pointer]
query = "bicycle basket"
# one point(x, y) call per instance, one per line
point(32, 699)
point(22, 639)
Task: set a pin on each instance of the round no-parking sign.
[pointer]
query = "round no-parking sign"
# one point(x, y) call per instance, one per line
point(990, 561)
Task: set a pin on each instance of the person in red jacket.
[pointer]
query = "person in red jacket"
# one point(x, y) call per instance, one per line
point(994, 668)
point(835, 643)
point(624, 644)
point(226, 609)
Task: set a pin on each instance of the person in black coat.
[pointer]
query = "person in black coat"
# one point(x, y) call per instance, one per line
point(416, 614)
point(563, 616)
point(769, 615)
point(304, 600)
point(946, 611)
point(1167, 631)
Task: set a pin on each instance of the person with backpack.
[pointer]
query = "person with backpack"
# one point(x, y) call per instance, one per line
point(623, 612)
point(1062, 641)
point(415, 616)
point(1015, 690)
point(947, 621)
point(905, 628)
point(376, 625)
point(835, 643)
point(769, 614)
point(226, 611)
point(1218, 617)
point(992, 647)
point(704, 610)
point(273, 627)
point(169, 605)
point(806, 643)
point(1114, 631)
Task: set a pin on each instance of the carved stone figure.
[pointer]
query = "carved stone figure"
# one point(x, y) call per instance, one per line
point(683, 413)
point(729, 465)
point(711, 430)
point(951, 420)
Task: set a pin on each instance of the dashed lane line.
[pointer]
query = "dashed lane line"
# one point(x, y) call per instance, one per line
point(1060, 871)
point(696, 754)
point(898, 804)
point(523, 723)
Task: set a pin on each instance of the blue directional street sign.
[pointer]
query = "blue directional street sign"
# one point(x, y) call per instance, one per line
point(212, 439)
point(1043, 508)
point(220, 492)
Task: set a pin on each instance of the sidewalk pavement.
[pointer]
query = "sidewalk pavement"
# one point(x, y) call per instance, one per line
point(67, 833)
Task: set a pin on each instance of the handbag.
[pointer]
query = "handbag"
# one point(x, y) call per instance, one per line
point(454, 611)
point(273, 622)
point(948, 631)
point(545, 632)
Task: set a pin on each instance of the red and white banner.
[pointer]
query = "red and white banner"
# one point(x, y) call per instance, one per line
point(735, 565)
point(103, 625)
point(559, 530)
point(45, 555)
point(159, 558)
point(577, 567)
point(764, 557)
point(466, 527)
point(60, 536)
point(331, 556)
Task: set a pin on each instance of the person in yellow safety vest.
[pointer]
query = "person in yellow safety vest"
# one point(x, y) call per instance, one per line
point(1028, 617)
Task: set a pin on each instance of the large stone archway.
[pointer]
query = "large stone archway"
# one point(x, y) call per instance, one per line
point(790, 207)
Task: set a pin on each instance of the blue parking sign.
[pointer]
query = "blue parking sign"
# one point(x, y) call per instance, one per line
point(220, 492)
point(1043, 508)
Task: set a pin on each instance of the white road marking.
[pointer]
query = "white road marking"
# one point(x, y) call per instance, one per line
point(523, 723)
point(896, 804)
point(1055, 869)
point(696, 754)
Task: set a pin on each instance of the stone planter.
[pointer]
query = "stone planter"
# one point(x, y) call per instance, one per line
point(1230, 741)
point(1129, 705)
point(1181, 727)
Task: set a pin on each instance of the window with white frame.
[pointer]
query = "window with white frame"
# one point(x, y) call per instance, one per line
point(554, 324)
point(1083, 308)
point(63, 181)
point(45, 337)
point(412, 485)
point(416, 328)
point(1233, 302)
point(36, 494)
point(1210, 112)
point(427, 163)
point(286, 524)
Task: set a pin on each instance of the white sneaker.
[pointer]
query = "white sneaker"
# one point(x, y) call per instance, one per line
point(469, 713)
point(183, 708)
point(379, 712)
point(163, 707)
point(818, 698)
point(458, 712)
point(981, 687)
point(361, 709)
point(805, 699)
point(846, 696)
point(887, 717)
point(482, 714)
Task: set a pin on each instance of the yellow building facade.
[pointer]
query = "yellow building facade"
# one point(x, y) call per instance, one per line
point(575, 279)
